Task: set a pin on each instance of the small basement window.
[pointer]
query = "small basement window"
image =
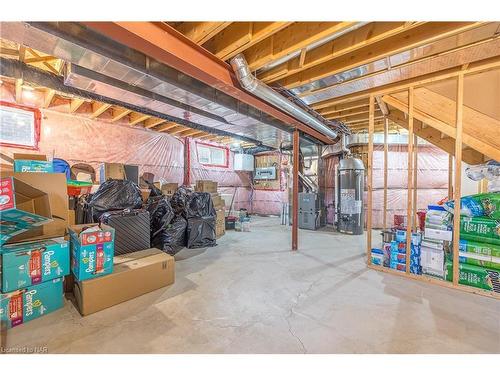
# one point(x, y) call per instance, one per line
point(19, 126)
point(211, 155)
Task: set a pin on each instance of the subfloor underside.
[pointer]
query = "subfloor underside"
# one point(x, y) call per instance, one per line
point(250, 294)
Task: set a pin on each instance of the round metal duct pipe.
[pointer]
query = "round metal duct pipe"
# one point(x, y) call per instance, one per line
point(260, 89)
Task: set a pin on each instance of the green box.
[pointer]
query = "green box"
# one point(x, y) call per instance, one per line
point(478, 277)
point(480, 254)
point(40, 166)
point(480, 229)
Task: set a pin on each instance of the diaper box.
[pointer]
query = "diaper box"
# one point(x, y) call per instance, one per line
point(29, 263)
point(30, 303)
point(32, 163)
point(92, 249)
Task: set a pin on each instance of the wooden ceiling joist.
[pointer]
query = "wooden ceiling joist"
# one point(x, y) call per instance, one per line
point(178, 129)
point(45, 63)
point(414, 37)
point(291, 39)
point(9, 51)
point(347, 43)
point(98, 109)
point(119, 113)
point(190, 132)
point(49, 96)
point(136, 118)
point(240, 36)
point(166, 127)
point(334, 109)
point(152, 122)
point(200, 32)
point(75, 104)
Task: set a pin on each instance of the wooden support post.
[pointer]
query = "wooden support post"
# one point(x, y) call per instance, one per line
point(371, 127)
point(409, 210)
point(415, 182)
point(386, 153)
point(295, 190)
point(450, 176)
point(458, 176)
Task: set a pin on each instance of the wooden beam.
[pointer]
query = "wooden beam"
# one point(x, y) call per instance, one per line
point(152, 122)
point(39, 59)
point(481, 132)
point(190, 132)
point(386, 155)
point(369, 211)
point(119, 113)
point(98, 109)
point(291, 39)
point(49, 95)
point(331, 110)
point(415, 182)
point(359, 118)
point(475, 67)
point(458, 175)
point(166, 127)
point(22, 53)
point(75, 104)
point(45, 63)
point(179, 129)
point(9, 51)
point(295, 190)
point(347, 43)
point(240, 36)
point(409, 207)
point(404, 41)
point(450, 176)
point(136, 117)
point(200, 32)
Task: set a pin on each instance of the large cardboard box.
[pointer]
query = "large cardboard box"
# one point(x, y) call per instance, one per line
point(22, 207)
point(29, 263)
point(169, 188)
point(30, 303)
point(206, 186)
point(134, 274)
point(220, 223)
point(92, 250)
point(115, 171)
point(54, 186)
point(32, 163)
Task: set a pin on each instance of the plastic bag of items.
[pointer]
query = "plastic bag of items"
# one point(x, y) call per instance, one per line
point(490, 171)
point(160, 214)
point(154, 191)
point(115, 195)
point(179, 199)
point(486, 204)
point(172, 238)
point(201, 217)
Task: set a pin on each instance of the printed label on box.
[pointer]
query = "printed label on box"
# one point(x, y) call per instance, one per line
point(35, 267)
point(7, 194)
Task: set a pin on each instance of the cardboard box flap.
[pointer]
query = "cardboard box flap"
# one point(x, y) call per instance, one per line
point(18, 156)
point(136, 255)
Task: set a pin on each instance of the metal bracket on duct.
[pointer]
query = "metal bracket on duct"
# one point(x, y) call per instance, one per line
point(16, 69)
point(261, 90)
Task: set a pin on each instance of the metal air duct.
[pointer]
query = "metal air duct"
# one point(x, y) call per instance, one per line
point(261, 90)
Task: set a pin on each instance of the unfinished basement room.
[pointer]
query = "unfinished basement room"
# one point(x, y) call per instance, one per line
point(202, 187)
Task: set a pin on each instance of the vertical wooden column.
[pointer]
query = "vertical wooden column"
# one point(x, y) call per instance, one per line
point(409, 210)
point(450, 176)
point(415, 182)
point(295, 191)
point(371, 128)
point(386, 152)
point(458, 176)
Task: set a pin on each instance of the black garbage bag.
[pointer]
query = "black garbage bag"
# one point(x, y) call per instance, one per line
point(201, 232)
point(155, 192)
point(199, 205)
point(115, 195)
point(160, 213)
point(179, 199)
point(172, 238)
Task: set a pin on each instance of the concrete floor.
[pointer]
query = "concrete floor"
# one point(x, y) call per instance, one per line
point(250, 294)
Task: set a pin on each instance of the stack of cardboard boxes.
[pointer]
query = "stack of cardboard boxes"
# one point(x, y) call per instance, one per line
point(39, 248)
point(208, 186)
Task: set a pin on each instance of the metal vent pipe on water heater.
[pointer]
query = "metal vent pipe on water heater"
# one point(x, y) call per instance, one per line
point(351, 184)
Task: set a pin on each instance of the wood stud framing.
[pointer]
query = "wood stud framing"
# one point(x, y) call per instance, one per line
point(371, 125)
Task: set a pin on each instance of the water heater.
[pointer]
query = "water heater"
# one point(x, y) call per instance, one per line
point(350, 187)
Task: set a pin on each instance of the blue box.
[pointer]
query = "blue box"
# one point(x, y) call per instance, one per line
point(30, 303)
point(30, 263)
point(92, 250)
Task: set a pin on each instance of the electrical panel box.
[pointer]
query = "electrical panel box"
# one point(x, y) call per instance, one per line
point(243, 162)
point(266, 173)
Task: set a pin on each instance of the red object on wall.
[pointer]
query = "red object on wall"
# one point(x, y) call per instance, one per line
point(187, 162)
point(37, 123)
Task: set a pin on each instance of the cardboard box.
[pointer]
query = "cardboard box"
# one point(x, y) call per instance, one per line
point(169, 188)
point(134, 274)
point(54, 186)
point(32, 163)
point(92, 249)
point(27, 304)
point(145, 194)
point(206, 186)
point(71, 217)
point(22, 207)
point(115, 171)
point(30, 263)
point(220, 223)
